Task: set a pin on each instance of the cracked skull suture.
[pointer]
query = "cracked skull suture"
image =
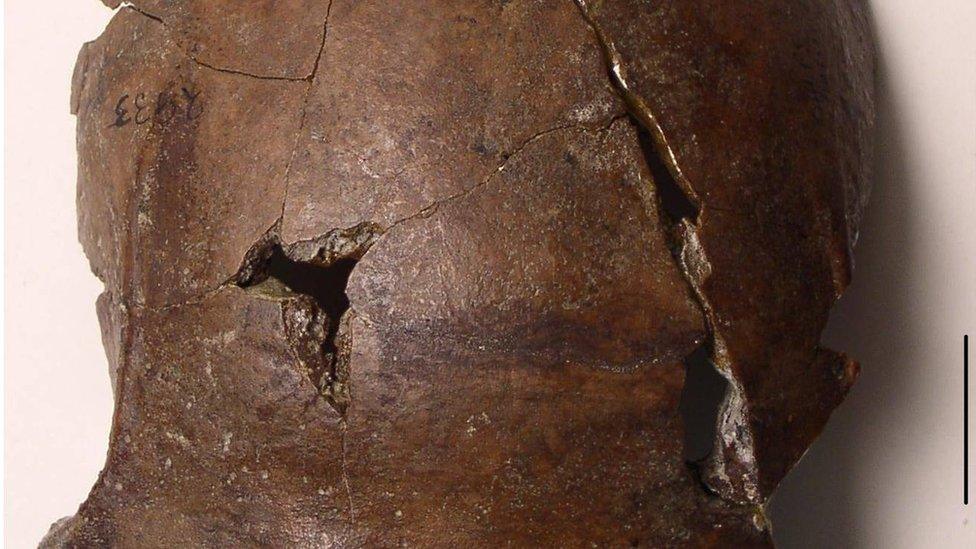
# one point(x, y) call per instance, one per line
point(466, 273)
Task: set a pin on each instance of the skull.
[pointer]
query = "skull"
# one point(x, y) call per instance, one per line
point(456, 273)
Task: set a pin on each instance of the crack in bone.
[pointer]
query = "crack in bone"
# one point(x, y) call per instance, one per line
point(345, 473)
point(733, 433)
point(635, 103)
point(431, 208)
point(227, 70)
point(304, 114)
point(202, 296)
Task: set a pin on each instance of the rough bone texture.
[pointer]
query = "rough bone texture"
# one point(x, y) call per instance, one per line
point(428, 273)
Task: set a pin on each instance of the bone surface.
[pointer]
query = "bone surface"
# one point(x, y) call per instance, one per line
point(451, 273)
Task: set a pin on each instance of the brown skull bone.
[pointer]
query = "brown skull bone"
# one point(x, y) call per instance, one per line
point(428, 273)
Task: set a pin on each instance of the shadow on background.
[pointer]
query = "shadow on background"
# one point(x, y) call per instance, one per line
point(822, 502)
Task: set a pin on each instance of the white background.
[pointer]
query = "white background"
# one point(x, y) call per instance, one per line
point(886, 473)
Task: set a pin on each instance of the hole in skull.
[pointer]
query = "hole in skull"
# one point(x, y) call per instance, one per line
point(325, 284)
point(321, 274)
point(675, 202)
point(701, 398)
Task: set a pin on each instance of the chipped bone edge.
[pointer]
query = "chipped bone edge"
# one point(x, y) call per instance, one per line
point(308, 320)
point(734, 438)
point(732, 470)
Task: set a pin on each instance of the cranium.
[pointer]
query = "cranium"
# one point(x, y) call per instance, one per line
point(433, 273)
